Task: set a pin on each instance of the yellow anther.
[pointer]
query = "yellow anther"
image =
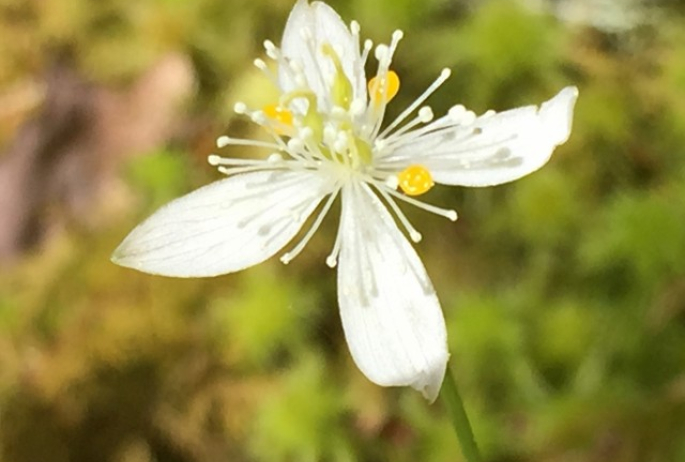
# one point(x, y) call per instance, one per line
point(384, 90)
point(280, 115)
point(415, 180)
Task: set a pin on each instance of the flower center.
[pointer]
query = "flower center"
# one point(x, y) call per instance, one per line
point(344, 129)
point(334, 127)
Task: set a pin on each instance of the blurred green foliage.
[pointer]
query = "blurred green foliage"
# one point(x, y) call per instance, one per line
point(564, 292)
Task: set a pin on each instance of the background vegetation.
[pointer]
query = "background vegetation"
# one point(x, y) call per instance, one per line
point(564, 292)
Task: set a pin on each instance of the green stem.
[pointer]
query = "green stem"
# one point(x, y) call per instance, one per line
point(460, 421)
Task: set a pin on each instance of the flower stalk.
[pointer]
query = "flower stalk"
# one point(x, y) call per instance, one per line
point(460, 420)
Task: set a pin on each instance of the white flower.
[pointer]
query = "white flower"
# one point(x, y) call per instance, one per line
point(328, 141)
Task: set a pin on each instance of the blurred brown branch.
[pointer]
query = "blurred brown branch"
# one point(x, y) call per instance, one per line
point(68, 153)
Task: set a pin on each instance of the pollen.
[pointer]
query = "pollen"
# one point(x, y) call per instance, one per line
point(279, 115)
point(415, 180)
point(384, 90)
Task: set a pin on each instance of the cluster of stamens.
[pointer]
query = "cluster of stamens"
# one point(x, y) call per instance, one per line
point(343, 136)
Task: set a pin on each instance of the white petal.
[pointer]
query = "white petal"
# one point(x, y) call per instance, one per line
point(494, 149)
point(390, 313)
point(324, 26)
point(223, 227)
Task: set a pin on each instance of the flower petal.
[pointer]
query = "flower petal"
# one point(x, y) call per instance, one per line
point(494, 149)
point(324, 26)
point(390, 313)
point(223, 227)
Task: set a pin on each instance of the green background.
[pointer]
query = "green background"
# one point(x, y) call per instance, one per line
point(564, 292)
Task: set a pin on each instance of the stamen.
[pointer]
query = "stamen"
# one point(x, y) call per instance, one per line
point(460, 115)
point(307, 134)
point(379, 146)
point(383, 89)
point(381, 54)
point(357, 107)
point(262, 66)
point(396, 37)
point(337, 143)
point(289, 256)
point(388, 144)
point(368, 44)
point(295, 144)
point(332, 258)
point(444, 75)
point(259, 118)
point(277, 138)
point(271, 49)
point(246, 169)
point(415, 180)
point(311, 144)
point(413, 233)
point(338, 113)
point(287, 98)
point(280, 223)
point(385, 53)
point(376, 112)
point(224, 141)
point(424, 116)
point(392, 182)
point(297, 149)
point(329, 135)
point(279, 115)
point(447, 213)
point(355, 29)
point(341, 143)
point(216, 160)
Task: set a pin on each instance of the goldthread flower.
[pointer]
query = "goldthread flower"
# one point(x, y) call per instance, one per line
point(329, 140)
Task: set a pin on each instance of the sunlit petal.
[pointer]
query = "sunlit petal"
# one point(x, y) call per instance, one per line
point(390, 313)
point(223, 227)
point(309, 28)
point(493, 149)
